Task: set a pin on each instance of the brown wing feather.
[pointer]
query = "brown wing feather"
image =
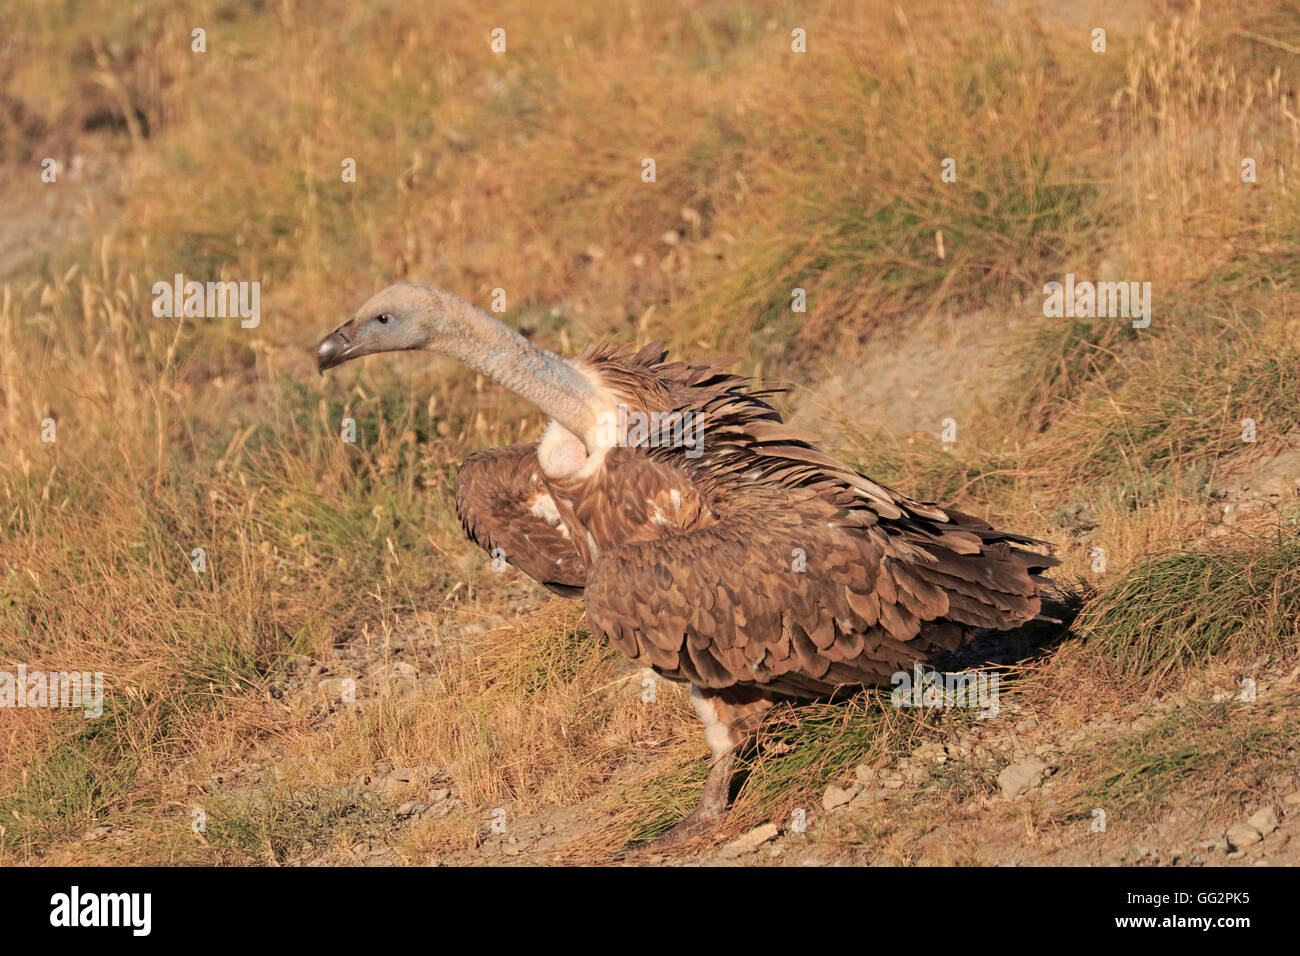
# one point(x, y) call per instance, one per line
point(497, 499)
point(736, 610)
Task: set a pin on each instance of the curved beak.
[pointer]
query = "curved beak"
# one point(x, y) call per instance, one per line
point(333, 349)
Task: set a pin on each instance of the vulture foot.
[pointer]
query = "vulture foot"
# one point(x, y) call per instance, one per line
point(706, 815)
point(731, 718)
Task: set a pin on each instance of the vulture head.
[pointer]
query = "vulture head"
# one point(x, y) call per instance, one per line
point(405, 316)
point(399, 318)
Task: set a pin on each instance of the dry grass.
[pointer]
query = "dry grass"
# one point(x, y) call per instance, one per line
point(522, 172)
point(1207, 756)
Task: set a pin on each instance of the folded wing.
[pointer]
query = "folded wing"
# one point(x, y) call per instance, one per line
point(505, 509)
point(800, 596)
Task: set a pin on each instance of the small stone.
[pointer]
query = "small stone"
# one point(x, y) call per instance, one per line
point(1264, 820)
point(930, 750)
point(1242, 834)
point(1292, 799)
point(752, 840)
point(1021, 777)
point(1029, 723)
point(837, 796)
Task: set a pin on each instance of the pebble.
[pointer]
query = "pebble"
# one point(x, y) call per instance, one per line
point(1242, 834)
point(1019, 778)
point(1264, 820)
point(751, 841)
point(836, 797)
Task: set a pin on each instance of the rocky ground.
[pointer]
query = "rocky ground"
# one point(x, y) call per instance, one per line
point(980, 794)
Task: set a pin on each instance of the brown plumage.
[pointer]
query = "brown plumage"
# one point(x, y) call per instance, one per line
point(504, 505)
point(738, 557)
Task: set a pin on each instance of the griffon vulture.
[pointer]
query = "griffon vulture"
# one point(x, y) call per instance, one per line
point(710, 541)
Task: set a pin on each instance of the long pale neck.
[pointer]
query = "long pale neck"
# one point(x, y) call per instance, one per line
point(505, 356)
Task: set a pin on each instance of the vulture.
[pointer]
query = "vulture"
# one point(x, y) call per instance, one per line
point(711, 541)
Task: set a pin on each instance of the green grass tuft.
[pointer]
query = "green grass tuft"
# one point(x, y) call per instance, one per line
point(1184, 610)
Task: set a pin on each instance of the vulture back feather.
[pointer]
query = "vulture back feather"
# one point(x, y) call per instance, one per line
point(748, 557)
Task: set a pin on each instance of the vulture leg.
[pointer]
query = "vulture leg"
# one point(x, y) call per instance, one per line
point(731, 719)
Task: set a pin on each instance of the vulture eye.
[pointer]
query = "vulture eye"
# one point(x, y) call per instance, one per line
point(384, 318)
